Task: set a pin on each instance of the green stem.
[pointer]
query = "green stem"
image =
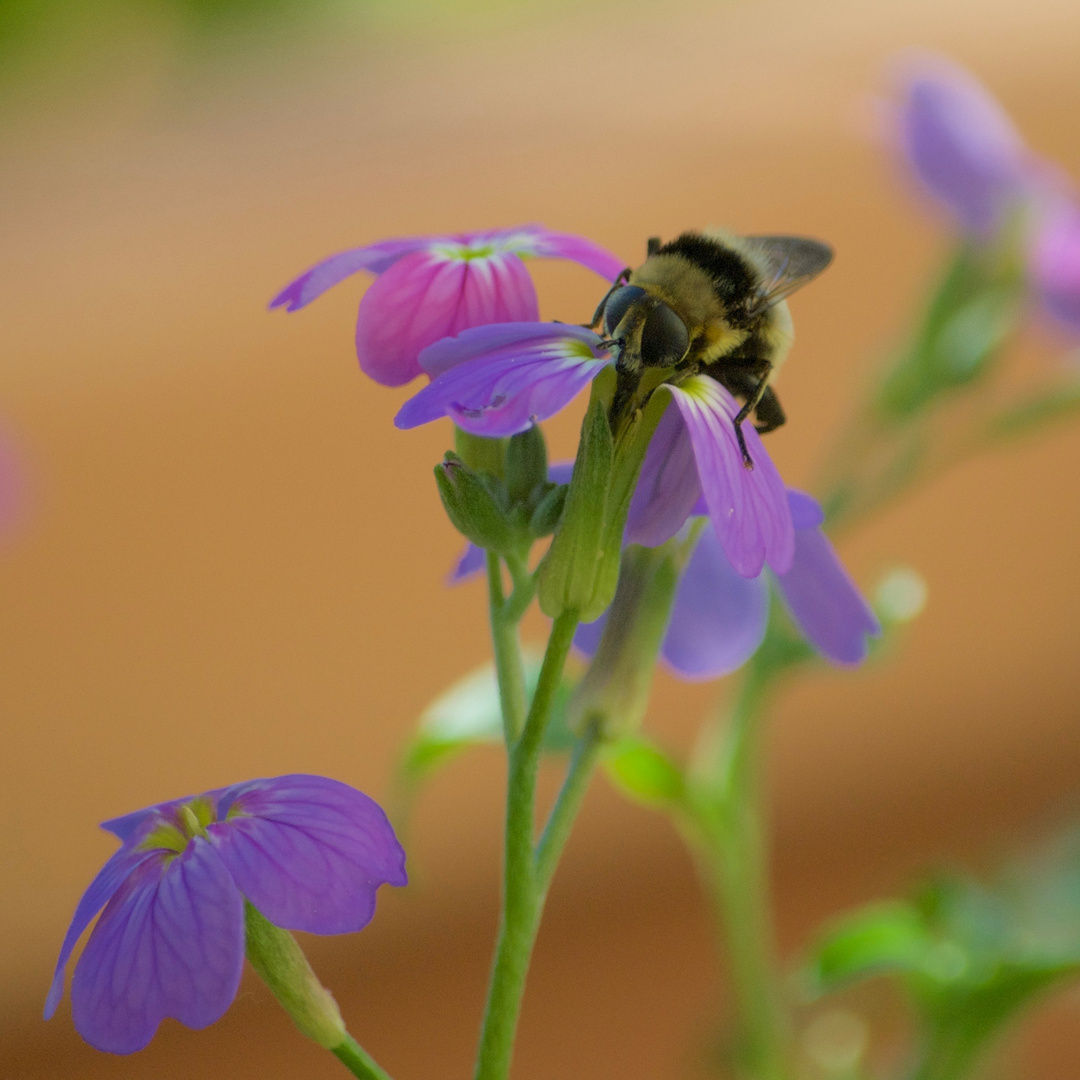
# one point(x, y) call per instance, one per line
point(733, 858)
point(358, 1061)
point(505, 616)
point(559, 823)
point(522, 899)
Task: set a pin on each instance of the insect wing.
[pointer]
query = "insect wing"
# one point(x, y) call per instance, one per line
point(790, 262)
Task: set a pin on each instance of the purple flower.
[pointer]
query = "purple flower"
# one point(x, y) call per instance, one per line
point(694, 456)
point(719, 617)
point(309, 853)
point(431, 287)
point(499, 380)
point(1054, 261)
point(962, 145)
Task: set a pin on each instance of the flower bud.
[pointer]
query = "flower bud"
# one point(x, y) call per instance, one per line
point(615, 690)
point(549, 508)
point(526, 463)
point(471, 504)
point(282, 965)
point(569, 571)
point(481, 453)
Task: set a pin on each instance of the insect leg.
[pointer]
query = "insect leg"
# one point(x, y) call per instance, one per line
point(599, 313)
point(769, 414)
point(751, 404)
point(652, 246)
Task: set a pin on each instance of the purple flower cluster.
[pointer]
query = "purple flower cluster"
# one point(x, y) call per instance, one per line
point(968, 156)
point(309, 853)
point(496, 377)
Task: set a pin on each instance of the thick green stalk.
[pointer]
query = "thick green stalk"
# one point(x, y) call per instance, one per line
point(522, 898)
point(730, 835)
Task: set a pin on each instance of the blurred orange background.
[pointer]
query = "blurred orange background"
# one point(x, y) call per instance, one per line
point(230, 564)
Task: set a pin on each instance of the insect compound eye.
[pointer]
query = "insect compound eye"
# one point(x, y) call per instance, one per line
point(618, 304)
point(664, 338)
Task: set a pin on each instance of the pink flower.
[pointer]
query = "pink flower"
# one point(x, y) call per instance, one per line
point(432, 287)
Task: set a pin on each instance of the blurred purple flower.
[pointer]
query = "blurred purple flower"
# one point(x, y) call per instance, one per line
point(308, 852)
point(719, 617)
point(1054, 261)
point(499, 380)
point(962, 145)
point(431, 287)
point(694, 455)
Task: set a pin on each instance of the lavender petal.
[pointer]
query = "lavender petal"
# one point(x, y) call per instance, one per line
point(169, 943)
point(668, 488)
point(308, 852)
point(719, 616)
point(748, 507)
point(824, 602)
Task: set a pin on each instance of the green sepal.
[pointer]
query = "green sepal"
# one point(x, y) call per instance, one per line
point(526, 464)
point(550, 503)
point(282, 965)
point(568, 573)
point(481, 453)
point(616, 687)
point(472, 504)
point(640, 769)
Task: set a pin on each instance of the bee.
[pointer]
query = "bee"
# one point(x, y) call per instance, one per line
point(714, 303)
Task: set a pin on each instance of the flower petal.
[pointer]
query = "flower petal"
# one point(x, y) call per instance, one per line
point(806, 512)
point(1055, 262)
point(961, 144)
point(326, 274)
point(556, 245)
point(308, 852)
point(503, 390)
point(668, 488)
point(100, 891)
point(587, 636)
point(430, 295)
point(719, 616)
point(823, 600)
point(472, 562)
point(748, 507)
point(169, 943)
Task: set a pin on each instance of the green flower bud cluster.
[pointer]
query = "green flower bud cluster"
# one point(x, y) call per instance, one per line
point(504, 501)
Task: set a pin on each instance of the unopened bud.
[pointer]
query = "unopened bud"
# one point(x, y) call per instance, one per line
point(472, 507)
point(526, 464)
point(568, 574)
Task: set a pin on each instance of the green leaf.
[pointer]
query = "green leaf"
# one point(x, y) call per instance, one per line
point(970, 956)
point(468, 714)
point(643, 771)
point(890, 937)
